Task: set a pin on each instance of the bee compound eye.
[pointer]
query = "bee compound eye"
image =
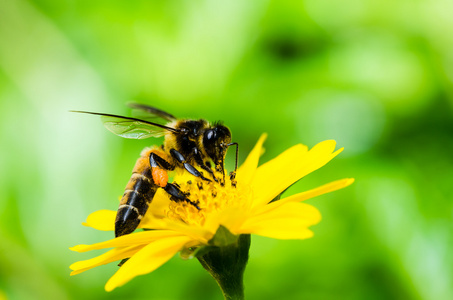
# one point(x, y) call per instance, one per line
point(210, 135)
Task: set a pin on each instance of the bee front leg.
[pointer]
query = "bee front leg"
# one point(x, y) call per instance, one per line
point(189, 168)
point(200, 162)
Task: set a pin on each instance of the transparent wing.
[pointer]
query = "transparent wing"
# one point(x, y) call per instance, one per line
point(146, 112)
point(132, 128)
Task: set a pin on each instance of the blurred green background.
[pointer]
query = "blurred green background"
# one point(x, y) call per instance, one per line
point(374, 75)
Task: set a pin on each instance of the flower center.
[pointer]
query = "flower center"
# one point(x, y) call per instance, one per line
point(212, 199)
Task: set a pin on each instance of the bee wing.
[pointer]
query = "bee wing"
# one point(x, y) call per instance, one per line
point(131, 128)
point(148, 112)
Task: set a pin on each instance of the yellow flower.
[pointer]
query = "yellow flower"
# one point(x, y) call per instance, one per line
point(247, 208)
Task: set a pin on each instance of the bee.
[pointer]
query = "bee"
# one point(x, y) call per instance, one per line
point(188, 144)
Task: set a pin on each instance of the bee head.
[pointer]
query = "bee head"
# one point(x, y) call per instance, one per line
point(216, 141)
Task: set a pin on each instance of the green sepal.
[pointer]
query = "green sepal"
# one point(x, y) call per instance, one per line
point(223, 237)
point(189, 253)
point(227, 263)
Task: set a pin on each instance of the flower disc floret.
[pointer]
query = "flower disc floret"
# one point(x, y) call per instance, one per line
point(208, 198)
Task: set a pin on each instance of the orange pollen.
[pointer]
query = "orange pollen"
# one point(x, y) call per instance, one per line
point(160, 177)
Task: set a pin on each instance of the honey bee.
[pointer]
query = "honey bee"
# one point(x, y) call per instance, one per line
point(188, 144)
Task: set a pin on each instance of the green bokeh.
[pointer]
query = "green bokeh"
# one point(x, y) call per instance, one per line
point(374, 75)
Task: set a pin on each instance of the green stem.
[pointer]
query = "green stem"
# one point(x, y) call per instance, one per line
point(227, 265)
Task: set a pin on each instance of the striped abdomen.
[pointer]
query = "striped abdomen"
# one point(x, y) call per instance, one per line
point(137, 196)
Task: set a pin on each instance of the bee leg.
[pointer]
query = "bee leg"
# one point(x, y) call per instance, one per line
point(178, 195)
point(189, 168)
point(233, 173)
point(159, 166)
point(206, 168)
point(199, 161)
point(156, 161)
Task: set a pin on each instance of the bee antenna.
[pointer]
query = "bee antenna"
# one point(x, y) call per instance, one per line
point(237, 152)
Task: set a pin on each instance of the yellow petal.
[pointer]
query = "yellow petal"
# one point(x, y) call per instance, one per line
point(157, 209)
point(108, 257)
point(285, 231)
point(293, 164)
point(289, 221)
point(101, 220)
point(147, 260)
point(137, 238)
point(324, 189)
point(156, 218)
point(231, 217)
point(105, 220)
point(247, 170)
point(194, 231)
point(292, 210)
